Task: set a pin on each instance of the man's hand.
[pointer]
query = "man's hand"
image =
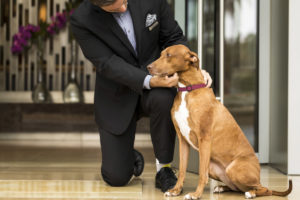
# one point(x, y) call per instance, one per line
point(207, 78)
point(157, 81)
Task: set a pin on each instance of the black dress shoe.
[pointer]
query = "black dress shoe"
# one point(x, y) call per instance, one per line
point(165, 179)
point(138, 163)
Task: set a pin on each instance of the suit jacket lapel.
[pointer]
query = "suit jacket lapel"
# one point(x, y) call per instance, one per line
point(135, 11)
point(101, 18)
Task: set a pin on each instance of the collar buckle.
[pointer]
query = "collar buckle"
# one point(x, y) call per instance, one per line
point(189, 88)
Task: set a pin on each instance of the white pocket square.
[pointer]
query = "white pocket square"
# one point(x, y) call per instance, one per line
point(150, 19)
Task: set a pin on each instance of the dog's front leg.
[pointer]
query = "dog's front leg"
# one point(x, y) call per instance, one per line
point(204, 159)
point(184, 149)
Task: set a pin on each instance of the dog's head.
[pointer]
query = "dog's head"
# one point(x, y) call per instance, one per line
point(177, 58)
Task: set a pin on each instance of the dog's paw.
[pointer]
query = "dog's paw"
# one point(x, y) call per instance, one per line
point(187, 197)
point(218, 189)
point(221, 188)
point(249, 195)
point(173, 192)
point(191, 196)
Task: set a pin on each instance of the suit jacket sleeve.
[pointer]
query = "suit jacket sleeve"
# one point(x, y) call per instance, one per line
point(106, 62)
point(170, 32)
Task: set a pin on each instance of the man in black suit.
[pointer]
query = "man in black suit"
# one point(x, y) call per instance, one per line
point(121, 38)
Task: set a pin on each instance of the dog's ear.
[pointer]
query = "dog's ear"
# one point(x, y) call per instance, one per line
point(194, 60)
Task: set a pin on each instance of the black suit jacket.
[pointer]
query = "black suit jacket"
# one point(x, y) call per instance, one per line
point(120, 73)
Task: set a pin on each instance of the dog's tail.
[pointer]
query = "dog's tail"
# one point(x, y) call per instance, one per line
point(263, 191)
point(285, 193)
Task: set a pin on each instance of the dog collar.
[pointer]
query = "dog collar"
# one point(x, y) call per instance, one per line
point(191, 87)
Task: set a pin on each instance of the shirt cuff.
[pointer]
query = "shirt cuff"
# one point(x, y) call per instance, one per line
point(147, 82)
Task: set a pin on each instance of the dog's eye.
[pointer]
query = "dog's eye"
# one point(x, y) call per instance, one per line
point(168, 55)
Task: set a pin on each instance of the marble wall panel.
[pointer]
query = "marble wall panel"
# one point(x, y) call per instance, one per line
point(19, 73)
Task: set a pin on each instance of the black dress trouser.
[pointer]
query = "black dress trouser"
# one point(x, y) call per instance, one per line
point(117, 150)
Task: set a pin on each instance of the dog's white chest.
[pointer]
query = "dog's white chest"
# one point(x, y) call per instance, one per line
point(181, 116)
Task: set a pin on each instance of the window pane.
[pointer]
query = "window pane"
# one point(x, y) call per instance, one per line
point(209, 40)
point(240, 64)
point(192, 24)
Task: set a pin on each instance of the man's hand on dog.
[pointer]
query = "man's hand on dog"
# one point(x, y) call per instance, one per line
point(165, 81)
point(207, 78)
point(172, 81)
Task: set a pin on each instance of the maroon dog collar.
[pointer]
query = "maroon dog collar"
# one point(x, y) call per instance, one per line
point(191, 87)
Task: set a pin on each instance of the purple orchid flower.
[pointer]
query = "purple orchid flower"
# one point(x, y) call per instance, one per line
point(59, 22)
point(22, 38)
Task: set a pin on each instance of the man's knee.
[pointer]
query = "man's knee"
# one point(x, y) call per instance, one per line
point(162, 98)
point(116, 177)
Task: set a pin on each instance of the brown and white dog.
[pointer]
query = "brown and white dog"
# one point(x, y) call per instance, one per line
point(204, 123)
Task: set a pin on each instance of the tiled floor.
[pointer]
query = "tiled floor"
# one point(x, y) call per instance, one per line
point(40, 169)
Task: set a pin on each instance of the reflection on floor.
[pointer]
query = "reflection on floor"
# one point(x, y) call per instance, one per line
point(29, 170)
